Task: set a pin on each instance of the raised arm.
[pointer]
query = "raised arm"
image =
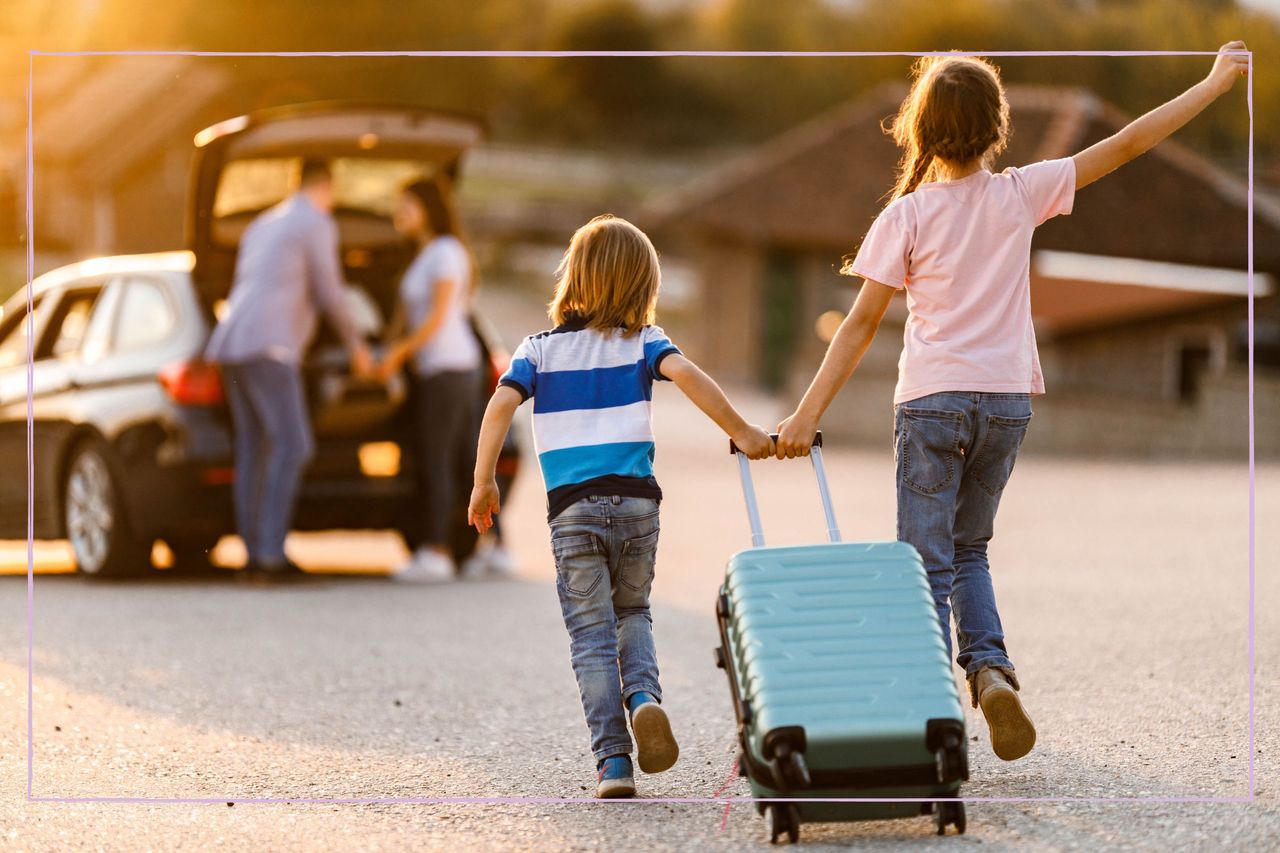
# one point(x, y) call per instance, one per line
point(795, 434)
point(497, 420)
point(707, 396)
point(1142, 134)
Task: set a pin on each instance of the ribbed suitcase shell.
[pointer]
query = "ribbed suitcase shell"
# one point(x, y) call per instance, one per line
point(842, 640)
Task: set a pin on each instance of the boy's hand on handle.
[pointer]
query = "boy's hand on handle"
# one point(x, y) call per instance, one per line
point(795, 436)
point(754, 441)
point(1228, 66)
point(483, 506)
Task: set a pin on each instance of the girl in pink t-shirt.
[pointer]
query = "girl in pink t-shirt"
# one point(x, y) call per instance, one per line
point(957, 238)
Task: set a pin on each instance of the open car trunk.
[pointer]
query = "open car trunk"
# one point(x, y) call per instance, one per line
point(247, 164)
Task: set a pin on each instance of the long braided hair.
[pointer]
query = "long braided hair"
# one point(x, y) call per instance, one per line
point(956, 112)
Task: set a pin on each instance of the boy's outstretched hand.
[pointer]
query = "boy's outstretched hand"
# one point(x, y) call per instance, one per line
point(754, 442)
point(1228, 66)
point(484, 505)
point(795, 437)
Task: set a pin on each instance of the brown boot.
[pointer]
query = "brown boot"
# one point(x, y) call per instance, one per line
point(995, 691)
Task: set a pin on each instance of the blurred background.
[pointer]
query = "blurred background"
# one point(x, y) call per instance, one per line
point(754, 175)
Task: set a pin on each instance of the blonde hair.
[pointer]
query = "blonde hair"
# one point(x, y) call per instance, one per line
point(956, 111)
point(609, 277)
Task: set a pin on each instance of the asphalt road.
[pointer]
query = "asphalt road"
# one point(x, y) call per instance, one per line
point(1123, 587)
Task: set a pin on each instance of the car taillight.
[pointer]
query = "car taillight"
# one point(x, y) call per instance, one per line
point(498, 364)
point(193, 383)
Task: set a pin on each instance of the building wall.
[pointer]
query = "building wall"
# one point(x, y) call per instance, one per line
point(726, 329)
point(1110, 392)
point(1100, 425)
point(1140, 361)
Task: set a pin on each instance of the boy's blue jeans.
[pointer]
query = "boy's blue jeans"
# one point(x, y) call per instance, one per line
point(955, 451)
point(605, 547)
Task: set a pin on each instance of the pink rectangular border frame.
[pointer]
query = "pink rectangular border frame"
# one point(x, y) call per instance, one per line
point(726, 801)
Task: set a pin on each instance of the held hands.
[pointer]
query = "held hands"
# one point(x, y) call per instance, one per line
point(795, 436)
point(390, 365)
point(361, 361)
point(483, 506)
point(1227, 67)
point(754, 442)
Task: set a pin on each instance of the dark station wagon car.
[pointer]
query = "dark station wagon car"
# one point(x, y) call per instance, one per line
point(132, 439)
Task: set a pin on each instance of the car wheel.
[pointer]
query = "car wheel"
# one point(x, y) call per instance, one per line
point(94, 516)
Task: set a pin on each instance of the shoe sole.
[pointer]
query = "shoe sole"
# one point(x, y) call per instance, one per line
point(613, 789)
point(655, 743)
point(1012, 732)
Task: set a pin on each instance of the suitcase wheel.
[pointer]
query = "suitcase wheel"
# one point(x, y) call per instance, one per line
point(784, 819)
point(953, 761)
point(719, 654)
point(790, 771)
point(951, 813)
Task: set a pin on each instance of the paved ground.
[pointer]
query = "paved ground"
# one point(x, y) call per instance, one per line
point(1123, 588)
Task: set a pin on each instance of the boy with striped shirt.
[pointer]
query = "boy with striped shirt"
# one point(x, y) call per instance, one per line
point(591, 381)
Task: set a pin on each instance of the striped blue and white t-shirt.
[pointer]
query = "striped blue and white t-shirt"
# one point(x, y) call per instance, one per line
point(592, 424)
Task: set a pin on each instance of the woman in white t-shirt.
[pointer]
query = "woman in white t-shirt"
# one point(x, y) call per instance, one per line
point(441, 352)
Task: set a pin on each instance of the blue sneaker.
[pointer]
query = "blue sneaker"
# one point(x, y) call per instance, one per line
point(614, 778)
point(656, 746)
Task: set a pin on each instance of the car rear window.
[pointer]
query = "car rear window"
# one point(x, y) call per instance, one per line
point(360, 183)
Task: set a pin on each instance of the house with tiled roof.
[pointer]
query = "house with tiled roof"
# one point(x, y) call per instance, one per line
point(1139, 297)
point(112, 145)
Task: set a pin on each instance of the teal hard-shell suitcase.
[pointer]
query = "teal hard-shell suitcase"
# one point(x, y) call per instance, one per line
point(843, 692)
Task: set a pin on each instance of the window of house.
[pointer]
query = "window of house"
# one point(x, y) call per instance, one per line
point(780, 312)
point(1193, 364)
point(1194, 355)
point(1266, 343)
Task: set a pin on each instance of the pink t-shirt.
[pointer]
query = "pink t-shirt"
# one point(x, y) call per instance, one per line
point(962, 250)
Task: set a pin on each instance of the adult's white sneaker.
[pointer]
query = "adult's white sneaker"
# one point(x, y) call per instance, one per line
point(425, 566)
point(500, 562)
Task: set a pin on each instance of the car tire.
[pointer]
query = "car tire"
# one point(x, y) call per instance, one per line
point(94, 516)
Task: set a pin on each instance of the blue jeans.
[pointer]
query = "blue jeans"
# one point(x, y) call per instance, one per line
point(955, 451)
point(273, 445)
point(605, 546)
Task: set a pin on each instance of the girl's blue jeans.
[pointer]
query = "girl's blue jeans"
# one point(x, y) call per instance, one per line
point(605, 546)
point(955, 451)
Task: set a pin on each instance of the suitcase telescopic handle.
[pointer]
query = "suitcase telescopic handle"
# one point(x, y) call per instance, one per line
point(749, 490)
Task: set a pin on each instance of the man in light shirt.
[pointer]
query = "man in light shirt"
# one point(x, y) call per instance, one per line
point(287, 274)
